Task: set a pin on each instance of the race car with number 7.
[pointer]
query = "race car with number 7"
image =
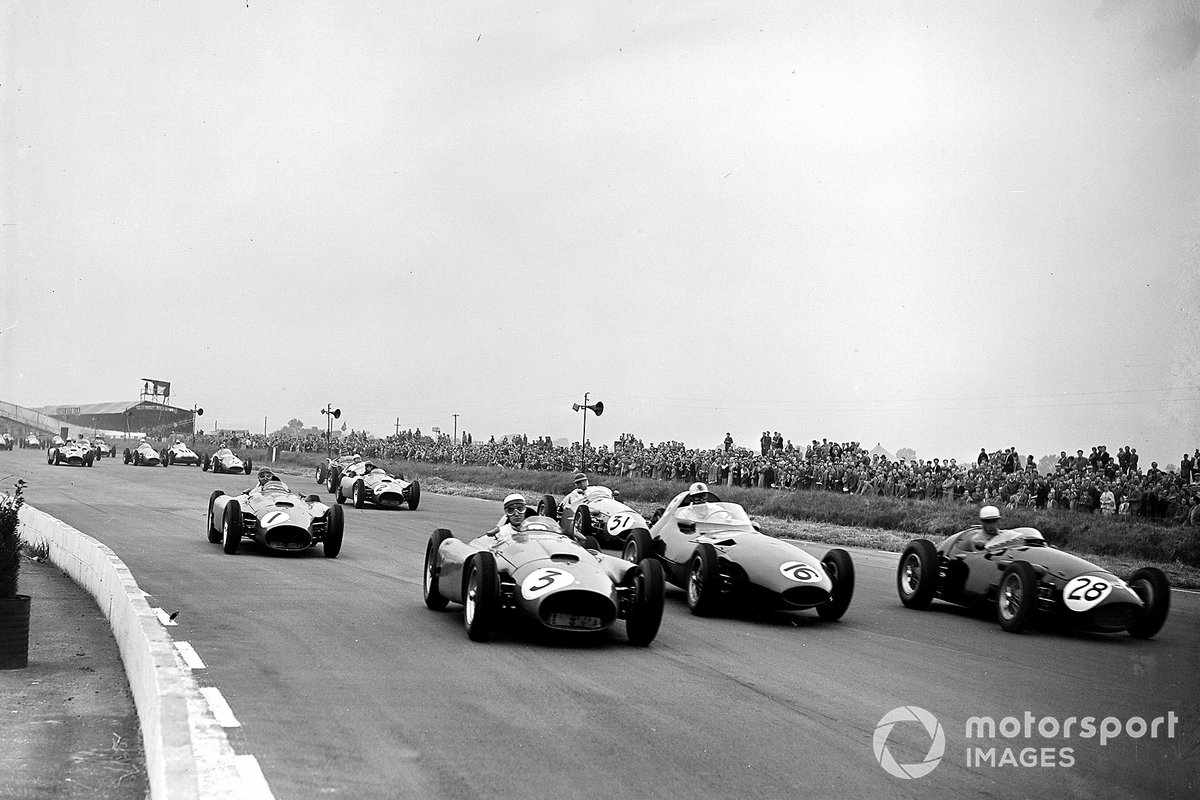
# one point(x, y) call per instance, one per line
point(718, 555)
point(1021, 575)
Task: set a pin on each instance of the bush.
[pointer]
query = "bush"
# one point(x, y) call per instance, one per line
point(10, 540)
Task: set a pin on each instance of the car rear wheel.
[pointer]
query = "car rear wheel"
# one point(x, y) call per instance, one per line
point(335, 529)
point(357, 492)
point(1018, 590)
point(917, 574)
point(414, 495)
point(548, 507)
point(1150, 584)
point(337, 490)
point(320, 473)
point(205, 463)
point(214, 535)
point(481, 600)
point(646, 607)
point(334, 479)
point(638, 545)
point(703, 581)
point(231, 527)
point(840, 568)
point(433, 570)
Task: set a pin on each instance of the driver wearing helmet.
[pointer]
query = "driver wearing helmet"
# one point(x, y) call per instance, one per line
point(698, 493)
point(581, 486)
point(514, 516)
point(989, 522)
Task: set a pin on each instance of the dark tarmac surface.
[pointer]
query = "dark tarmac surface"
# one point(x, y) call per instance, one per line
point(69, 725)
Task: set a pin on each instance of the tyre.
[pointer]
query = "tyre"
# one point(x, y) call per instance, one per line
point(1018, 591)
point(169, 458)
point(334, 479)
point(1150, 584)
point(840, 568)
point(414, 495)
point(337, 490)
point(548, 507)
point(646, 607)
point(335, 530)
point(917, 574)
point(249, 465)
point(358, 494)
point(582, 525)
point(214, 535)
point(703, 581)
point(49, 456)
point(231, 527)
point(638, 545)
point(433, 598)
point(206, 463)
point(320, 473)
point(90, 460)
point(482, 597)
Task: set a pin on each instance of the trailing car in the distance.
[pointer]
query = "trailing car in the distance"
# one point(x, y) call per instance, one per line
point(180, 454)
point(716, 553)
point(275, 517)
point(73, 453)
point(1019, 574)
point(144, 455)
point(326, 468)
point(225, 461)
point(363, 482)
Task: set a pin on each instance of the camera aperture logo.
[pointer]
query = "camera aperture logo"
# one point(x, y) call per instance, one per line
point(937, 745)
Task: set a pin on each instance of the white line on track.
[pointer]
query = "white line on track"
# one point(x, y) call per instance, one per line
point(164, 617)
point(190, 656)
point(253, 780)
point(220, 709)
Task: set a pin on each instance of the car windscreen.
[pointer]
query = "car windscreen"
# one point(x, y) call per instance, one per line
point(1017, 536)
point(598, 493)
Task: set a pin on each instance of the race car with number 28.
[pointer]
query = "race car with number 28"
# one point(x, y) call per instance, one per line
point(1020, 574)
point(716, 553)
point(275, 517)
point(539, 574)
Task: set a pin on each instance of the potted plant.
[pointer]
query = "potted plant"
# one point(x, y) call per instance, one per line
point(14, 608)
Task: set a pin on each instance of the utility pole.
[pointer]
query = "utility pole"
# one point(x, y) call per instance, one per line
point(397, 426)
point(455, 428)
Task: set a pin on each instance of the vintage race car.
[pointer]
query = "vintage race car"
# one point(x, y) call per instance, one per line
point(144, 455)
point(363, 482)
point(76, 453)
point(225, 461)
point(275, 517)
point(326, 468)
point(180, 454)
point(103, 449)
point(56, 441)
point(6, 441)
point(717, 554)
point(31, 441)
point(597, 513)
point(1019, 573)
point(540, 575)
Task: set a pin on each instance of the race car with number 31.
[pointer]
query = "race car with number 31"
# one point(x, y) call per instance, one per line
point(716, 553)
point(539, 574)
point(596, 512)
point(1021, 575)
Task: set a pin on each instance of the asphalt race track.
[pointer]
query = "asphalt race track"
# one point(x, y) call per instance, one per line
point(347, 686)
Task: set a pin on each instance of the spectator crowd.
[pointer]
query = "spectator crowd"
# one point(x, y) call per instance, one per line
point(1099, 482)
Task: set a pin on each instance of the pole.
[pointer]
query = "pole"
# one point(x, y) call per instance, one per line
point(397, 426)
point(455, 428)
point(583, 444)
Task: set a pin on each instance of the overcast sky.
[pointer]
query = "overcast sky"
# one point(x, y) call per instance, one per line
point(930, 225)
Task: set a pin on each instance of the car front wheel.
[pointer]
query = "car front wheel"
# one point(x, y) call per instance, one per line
point(917, 574)
point(1018, 590)
point(434, 599)
point(481, 600)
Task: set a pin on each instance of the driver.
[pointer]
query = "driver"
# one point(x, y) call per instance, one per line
point(698, 493)
point(514, 514)
point(581, 486)
point(989, 521)
point(265, 474)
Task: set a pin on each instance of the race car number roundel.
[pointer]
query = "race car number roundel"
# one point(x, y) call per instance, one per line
point(274, 518)
point(1085, 591)
point(546, 579)
point(800, 572)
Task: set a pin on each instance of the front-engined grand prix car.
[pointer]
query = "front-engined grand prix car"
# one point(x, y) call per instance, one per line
point(225, 461)
point(180, 453)
point(327, 468)
point(716, 553)
point(31, 441)
point(1021, 574)
point(144, 455)
point(364, 482)
point(74, 453)
point(103, 449)
point(541, 575)
point(275, 517)
point(595, 512)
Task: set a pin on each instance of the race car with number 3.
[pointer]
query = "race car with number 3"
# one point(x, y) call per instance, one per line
point(597, 513)
point(363, 483)
point(275, 517)
point(225, 461)
point(716, 553)
point(539, 574)
point(1021, 575)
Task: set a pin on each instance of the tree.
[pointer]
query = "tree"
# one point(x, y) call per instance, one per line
point(906, 454)
point(1047, 464)
point(295, 423)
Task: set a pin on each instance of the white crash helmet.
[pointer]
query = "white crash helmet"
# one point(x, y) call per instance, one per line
point(989, 513)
